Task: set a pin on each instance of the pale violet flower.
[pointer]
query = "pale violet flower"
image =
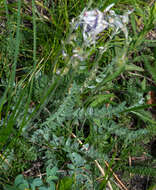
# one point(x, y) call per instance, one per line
point(92, 23)
point(95, 22)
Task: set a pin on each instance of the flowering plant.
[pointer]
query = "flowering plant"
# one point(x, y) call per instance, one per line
point(91, 23)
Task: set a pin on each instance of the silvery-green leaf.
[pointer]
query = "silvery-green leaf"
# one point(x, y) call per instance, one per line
point(85, 147)
point(83, 67)
point(98, 80)
point(92, 86)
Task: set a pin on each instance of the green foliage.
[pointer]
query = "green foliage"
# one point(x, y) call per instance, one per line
point(65, 183)
point(21, 183)
point(18, 158)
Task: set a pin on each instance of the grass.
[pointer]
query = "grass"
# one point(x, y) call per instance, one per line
point(76, 123)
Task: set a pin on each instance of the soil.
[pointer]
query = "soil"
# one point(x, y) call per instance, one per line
point(139, 183)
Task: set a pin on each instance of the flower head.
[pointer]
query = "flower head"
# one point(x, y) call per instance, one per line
point(95, 22)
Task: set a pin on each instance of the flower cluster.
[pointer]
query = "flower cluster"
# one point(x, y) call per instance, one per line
point(95, 22)
point(92, 23)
